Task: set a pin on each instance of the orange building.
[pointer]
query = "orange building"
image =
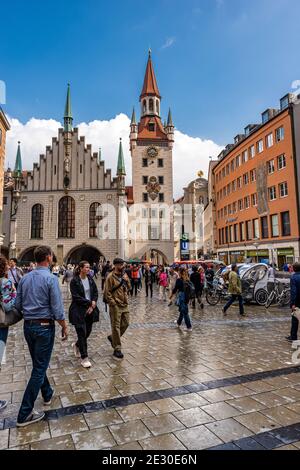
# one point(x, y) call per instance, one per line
point(4, 127)
point(256, 190)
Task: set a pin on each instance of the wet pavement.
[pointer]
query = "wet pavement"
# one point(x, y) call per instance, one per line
point(228, 384)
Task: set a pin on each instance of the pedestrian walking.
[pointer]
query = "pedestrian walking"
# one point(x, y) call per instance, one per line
point(67, 278)
point(40, 300)
point(105, 269)
point(83, 310)
point(197, 278)
point(15, 274)
point(183, 288)
point(235, 290)
point(295, 302)
point(149, 277)
point(117, 287)
point(134, 280)
point(163, 284)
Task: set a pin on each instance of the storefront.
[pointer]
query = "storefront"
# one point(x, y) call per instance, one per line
point(285, 255)
point(237, 257)
point(223, 257)
point(258, 256)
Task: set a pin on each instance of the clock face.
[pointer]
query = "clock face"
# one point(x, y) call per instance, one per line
point(152, 152)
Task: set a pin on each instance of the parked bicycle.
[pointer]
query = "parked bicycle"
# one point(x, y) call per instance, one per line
point(281, 295)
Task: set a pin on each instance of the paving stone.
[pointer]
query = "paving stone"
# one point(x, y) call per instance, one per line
point(163, 424)
point(165, 442)
point(192, 400)
point(129, 446)
point(166, 405)
point(193, 417)
point(249, 443)
point(215, 396)
point(133, 412)
point(229, 429)
point(67, 425)
point(257, 422)
point(33, 433)
point(57, 443)
point(246, 405)
point(130, 431)
point(220, 410)
point(93, 440)
point(198, 438)
point(282, 415)
point(4, 439)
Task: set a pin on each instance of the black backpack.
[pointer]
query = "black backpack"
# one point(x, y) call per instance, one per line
point(189, 290)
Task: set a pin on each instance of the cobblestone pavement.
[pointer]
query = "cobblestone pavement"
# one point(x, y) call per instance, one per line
point(230, 384)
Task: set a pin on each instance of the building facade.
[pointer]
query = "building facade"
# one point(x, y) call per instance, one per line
point(209, 216)
point(257, 192)
point(189, 222)
point(4, 127)
point(66, 201)
point(151, 144)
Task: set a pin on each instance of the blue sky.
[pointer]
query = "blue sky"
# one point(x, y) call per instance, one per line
point(219, 63)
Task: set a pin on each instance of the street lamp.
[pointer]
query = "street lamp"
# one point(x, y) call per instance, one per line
point(256, 244)
point(228, 254)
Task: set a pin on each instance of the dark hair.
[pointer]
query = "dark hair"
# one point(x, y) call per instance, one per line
point(233, 266)
point(195, 269)
point(3, 265)
point(296, 267)
point(13, 259)
point(78, 268)
point(41, 252)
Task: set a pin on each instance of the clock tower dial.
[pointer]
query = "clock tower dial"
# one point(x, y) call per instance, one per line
point(152, 152)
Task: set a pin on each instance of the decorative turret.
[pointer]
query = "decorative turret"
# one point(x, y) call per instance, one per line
point(170, 127)
point(18, 166)
point(121, 172)
point(150, 96)
point(68, 119)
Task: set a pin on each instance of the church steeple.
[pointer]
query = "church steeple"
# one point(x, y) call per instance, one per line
point(68, 119)
point(18, 165)
point(150, 96)
point(121, 163)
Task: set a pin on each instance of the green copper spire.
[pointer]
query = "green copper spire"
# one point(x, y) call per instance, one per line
point(68, 119)
point(121, 164)
point(18, 165)
point(133, 118)
point(170, 121)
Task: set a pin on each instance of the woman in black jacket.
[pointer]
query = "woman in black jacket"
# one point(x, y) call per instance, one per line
point(83, 311)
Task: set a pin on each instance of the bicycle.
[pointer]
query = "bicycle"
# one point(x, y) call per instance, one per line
point(280, 295)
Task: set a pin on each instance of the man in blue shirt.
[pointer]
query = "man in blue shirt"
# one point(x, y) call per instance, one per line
point(295, 301)
point(40, 300)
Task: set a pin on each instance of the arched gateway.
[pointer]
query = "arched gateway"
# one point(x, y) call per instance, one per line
point(84, 253)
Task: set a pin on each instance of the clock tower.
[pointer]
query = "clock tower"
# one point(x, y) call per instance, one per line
point(151, 146)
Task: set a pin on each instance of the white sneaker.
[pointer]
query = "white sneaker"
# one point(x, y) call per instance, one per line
point(76, 350)
point(189, 329)
point(86, 363)
point(48, 403)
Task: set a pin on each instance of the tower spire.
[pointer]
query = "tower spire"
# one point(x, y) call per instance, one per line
point(170, 121)
point(150, 85)
point(68, 119)
point(18, 165)
point(121, 163)
point(133, 118)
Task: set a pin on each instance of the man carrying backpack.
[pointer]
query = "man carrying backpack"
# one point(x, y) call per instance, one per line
point(117, 286)
point(186, 291)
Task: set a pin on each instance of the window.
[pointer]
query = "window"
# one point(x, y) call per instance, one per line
point(260, 146)
point(154, 232)
point(37, 221)
point(264, 227)
point(80, 169)
point(280, 134)
point(161, 180)
point(240, 204)
point(271, 166)
point(252, 151)
point(272, 193)
point(226, 235)
point(66, 217)
point(265, 117)
point(145, 213)
point(236, 235)
point(161, 197)
point(5, 200)
point(247, 202)
point(223, 172)
point(239, 182)
point(283, 189)
point(227, 169)
point(269, 140)
point(275, 225)
point(249, 230)
point(54, 169)
point(232, 165)
point(94, 218)
point(281, 162)
point(255, 228)
point(160, 163)
point(151, 105)
point(225, 211)
point(151, 126)
point(253, 175)
point(246, 178)
point(254, 200)
point(242, 231)
point(224, 191)
point(144, 106)
point(228, 188)
point(233, 185)
point(234, 208)
point(145, 162)
point(285, 224)
point(157, 106)
point(245, 156)
point(145, 179)
point(229, 209)
point(238, 161)
point(145, 197)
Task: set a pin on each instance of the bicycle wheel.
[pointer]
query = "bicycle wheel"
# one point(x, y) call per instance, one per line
point(261, 297)
point(285, 298)
point(213, 297)
point(270, 299)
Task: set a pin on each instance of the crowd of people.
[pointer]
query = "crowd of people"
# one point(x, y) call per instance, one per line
point(35, 296)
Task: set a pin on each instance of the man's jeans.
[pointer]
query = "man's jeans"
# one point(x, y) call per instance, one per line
point(183, 311)
point(233, 299)
point(40, 340)
point(3, 339)
point(294, 329)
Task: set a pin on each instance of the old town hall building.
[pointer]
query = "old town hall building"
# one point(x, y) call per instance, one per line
point(60, 201)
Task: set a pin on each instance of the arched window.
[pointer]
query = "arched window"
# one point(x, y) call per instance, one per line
point(66, 217)
point(95, 217)
point(151, 105)
point(37, 221)
point(201, 200)
point(144, 106)
point(157, 106)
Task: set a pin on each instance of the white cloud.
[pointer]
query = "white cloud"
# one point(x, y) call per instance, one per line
point(191, 154)
point(169, 42)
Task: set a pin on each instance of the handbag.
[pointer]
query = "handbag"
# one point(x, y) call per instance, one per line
point(296, 313)
point(9, 318)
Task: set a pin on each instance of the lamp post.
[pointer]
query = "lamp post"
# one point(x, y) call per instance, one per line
point(228, 253)
point(256, 244)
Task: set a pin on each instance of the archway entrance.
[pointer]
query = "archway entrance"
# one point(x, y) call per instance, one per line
point(84, 253)
point(27, 256)
point(155, 257)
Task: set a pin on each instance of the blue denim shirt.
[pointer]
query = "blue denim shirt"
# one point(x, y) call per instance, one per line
point(295, 290)
point(39, 296)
